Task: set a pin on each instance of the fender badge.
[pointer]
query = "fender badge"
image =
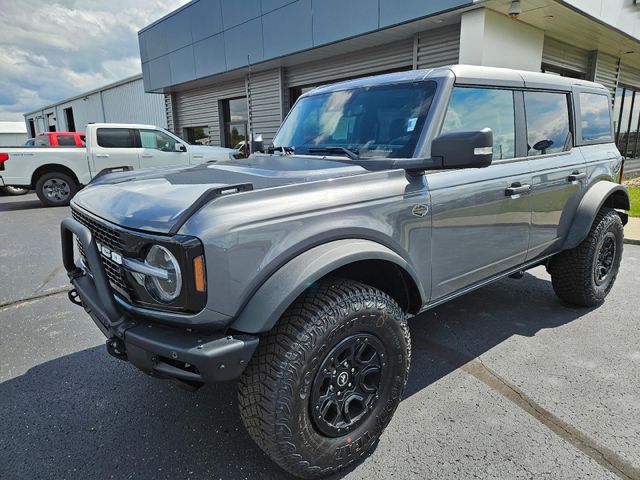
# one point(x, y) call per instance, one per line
point(420, 210)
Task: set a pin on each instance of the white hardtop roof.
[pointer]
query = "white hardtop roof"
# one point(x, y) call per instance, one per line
point(13, 127)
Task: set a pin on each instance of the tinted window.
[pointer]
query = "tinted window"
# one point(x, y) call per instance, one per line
point(595, 118)
point(547, 122)
point(66, 140)
point(379, 121)
point(157, 140)
point(115, 138)
point(42, 141)
point(478, 108)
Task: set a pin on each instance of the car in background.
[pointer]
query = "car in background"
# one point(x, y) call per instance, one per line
point(57, 173)
point(30, 142)
point(59, 139)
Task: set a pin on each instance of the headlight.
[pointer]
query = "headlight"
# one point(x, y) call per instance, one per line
point(163, 290)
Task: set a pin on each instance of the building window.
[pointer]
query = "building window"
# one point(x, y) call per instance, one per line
point(197, 135)
point(478, 108)
point(547, 122)
point(235, 114)
point(626, 118)
point(562, 72)
point(32, 128)
point(68, 115)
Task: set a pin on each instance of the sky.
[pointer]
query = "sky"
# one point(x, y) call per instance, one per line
point(52, 50)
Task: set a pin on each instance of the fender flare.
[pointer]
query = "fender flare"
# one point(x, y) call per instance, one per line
point(275, 295)
point(603, 193)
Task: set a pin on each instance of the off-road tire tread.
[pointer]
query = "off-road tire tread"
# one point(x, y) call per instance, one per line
point(281, 355)
point(571, 270)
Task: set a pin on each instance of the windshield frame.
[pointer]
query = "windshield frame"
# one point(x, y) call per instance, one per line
point(426, 128)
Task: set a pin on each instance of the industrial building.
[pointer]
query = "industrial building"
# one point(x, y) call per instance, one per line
point(122, 102)
point(228, 68)
point(12, 134)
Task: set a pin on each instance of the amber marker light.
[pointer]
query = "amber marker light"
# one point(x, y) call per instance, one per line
point(198, 273)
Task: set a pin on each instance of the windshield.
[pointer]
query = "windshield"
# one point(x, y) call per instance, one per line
point(380, 121)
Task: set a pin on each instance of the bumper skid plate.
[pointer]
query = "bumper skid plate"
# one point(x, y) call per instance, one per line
point(158, 350)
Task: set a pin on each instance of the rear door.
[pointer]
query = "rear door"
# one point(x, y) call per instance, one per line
point(114, 147)
point(159, 149)
point(559, 170)
point(481, 217)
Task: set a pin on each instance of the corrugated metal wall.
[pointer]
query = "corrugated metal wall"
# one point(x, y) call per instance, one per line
point(436, 48)
point(266, 103)
point(562, 55)
point(128, 103)
point(125, 103)
point(199, 107)
point(607, 70)
point(384, 57)
point(629, 76)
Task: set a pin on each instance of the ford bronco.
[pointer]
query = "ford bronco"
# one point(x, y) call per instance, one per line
point(295, 270)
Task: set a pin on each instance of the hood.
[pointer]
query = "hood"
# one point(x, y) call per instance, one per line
point(153, 200)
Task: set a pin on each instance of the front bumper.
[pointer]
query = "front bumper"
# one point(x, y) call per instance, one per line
point(158, 350)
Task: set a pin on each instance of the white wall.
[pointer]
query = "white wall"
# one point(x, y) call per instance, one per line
point(12, 139)
point(621, 14)
point(125, 103)
point(491, 39)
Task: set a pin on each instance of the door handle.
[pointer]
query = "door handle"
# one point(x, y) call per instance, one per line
point(102, 155)
point(575, 176)
point(517, 189)
point(146, 155)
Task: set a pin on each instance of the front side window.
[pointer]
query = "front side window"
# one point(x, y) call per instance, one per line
point(157, 140)
point(115, 138)
point(66, 141)
point(377, 121)
point(595, 117)
point(548, 124)
point(478, 108)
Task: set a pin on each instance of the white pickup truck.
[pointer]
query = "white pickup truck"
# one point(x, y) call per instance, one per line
point(58, 173)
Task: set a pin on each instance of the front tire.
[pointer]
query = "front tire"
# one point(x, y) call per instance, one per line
point(325, 382)
point(56, 189)
point(584, 275)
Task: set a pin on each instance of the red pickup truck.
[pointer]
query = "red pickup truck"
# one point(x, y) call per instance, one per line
point(59, 139)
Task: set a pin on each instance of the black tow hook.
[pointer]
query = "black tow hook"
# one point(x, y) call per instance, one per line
point(74, 297)
point(116, 348)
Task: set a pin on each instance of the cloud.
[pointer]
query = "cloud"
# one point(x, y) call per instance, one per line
point(52, 50)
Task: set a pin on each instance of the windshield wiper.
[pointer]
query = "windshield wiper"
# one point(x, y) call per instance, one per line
point(284, 150)
point(351, 153)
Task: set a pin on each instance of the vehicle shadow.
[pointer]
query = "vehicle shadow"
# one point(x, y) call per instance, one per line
point(87, 415)
point(21, 202)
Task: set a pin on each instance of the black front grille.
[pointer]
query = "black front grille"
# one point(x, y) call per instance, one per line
point(109, 238)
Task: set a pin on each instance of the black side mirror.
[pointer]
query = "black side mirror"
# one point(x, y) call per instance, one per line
point(180, 147)
point(463, 149)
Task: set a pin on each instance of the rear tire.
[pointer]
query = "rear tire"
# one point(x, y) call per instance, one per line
point(325, 382)
point(56, 189)
point(585, 274)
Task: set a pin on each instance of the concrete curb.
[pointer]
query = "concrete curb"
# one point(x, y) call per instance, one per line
point(631, 241)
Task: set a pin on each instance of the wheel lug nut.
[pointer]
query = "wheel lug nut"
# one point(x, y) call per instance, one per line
point(350, 385)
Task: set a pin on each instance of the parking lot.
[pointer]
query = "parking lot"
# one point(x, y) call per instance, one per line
point(506, 382)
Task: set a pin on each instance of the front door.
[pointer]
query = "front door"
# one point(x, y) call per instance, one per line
point(159, 149)
point(559, 173)
point(114, 147)
point(481, 217)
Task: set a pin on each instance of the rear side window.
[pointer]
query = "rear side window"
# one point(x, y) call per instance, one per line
point(478, 108)
point(548, 123)
point(115, 138)
point(66, 140)
point(42, 141)
point(595, 117)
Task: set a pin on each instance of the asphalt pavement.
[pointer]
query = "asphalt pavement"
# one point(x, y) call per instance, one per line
point(506, 382)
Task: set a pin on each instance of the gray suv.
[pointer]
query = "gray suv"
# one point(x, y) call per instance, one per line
point(296, 270)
